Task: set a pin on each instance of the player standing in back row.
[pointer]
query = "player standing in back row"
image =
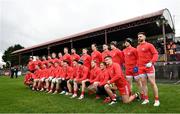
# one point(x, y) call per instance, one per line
point(147, 56)
point(116, 54)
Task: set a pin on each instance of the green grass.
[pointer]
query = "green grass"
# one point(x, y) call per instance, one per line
point(15, 97)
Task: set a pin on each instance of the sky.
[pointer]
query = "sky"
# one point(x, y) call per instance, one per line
point(31, 22)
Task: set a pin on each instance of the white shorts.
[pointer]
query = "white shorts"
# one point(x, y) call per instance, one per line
point(147, 75)
point(56, 80)
point(50, 78)
point(53, 80)
point(135, 77)
point(43, 79)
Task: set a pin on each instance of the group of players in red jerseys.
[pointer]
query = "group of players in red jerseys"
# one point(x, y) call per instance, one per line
point(99, 73)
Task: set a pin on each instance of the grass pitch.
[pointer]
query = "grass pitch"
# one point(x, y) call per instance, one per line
point(17, 98)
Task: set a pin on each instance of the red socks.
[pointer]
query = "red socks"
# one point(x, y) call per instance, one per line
point(146, 97)
point(157, 98)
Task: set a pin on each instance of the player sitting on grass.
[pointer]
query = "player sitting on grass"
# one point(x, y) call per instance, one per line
point(57, 79)
point(49, 76)
point(42, 77)
point(67, 73)
point(36, 78)
point(56, 76)
point(81, 75)
point(75, 73)
point(28, 80)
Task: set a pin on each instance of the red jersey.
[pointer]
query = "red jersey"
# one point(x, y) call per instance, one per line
point(116, 75)
point(75, 72)
point(103, 77)
point(60, 72)
point(105, 53)
point(55, 72)
point(44, 62)
point(86, 60)
point(146, 53)
point(67, 57)
point(38, 62)
point(31, 65)
point(27, 79)
point(117, 56)
point(68, 72)
point(130, 57)
point(37, 74)
point(49, 72)
point(60, 59)
point(83, 72)
point(49, 60)
point(75, 57)
point(43, 73)
point(54, 60)
point(94, 74)
point(97, 56)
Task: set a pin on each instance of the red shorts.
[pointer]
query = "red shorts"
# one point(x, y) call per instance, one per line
point(144, 70)
point(130, 72)
point(124, 90)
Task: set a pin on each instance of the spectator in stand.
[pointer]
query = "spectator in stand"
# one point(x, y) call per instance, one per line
point(171, 48)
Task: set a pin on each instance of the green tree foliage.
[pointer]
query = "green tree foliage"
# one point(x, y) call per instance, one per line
point(8, 56)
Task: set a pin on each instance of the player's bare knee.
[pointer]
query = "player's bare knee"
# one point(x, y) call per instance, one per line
point(106, 86)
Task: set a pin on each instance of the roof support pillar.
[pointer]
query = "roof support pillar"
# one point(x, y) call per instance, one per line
point(48, 49)
point(164, 36)
point(32, 53)
point(19, 56)
point(71, 43)
point(105, 37)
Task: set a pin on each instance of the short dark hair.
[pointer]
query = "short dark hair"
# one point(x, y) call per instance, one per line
point(66, 61)
point(94, 44)
point(113, 43)
point(80, 62)
point(143, 33)
point(75, 60)
point(108, 56)
point(73, 49)
point(130, 40)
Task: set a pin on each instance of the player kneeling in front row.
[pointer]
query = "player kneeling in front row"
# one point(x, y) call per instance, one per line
point(100, 81)
point(88, 82)
point(117, 77)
